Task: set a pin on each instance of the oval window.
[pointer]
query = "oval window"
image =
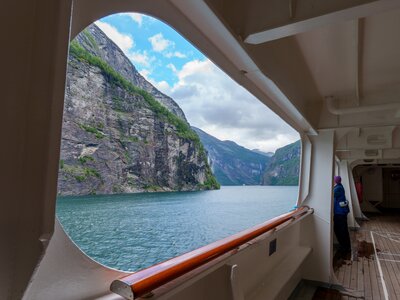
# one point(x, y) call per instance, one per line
point(161, 151)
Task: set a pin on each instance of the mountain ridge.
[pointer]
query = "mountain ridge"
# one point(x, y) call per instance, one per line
point(268, 154)
point(231, 163)
point(234, 164)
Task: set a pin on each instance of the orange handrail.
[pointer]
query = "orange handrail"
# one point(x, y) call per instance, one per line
point(146, 280)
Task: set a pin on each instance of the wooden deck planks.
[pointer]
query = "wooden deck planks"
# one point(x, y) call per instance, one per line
point(362, 272)
point(360, 277)
point(376, 285)
point(366, 276)
point(390, 268)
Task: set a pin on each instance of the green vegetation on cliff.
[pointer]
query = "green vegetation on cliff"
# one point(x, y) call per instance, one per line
point(81, 173)
point(121, 136)
point(284, 166)
point(98, 134)
point(183, 129)
point(211, 182)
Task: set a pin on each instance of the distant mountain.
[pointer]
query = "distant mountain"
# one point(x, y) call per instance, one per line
point(231, 163)
point(268, 154)
point(284, 166)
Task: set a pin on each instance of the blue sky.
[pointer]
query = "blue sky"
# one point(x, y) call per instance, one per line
point(208, 97)
point(163, 45)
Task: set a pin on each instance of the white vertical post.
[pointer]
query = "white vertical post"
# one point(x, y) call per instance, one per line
point(347, 179)
point(305, 167)
point(356, 202)
point(317, 231)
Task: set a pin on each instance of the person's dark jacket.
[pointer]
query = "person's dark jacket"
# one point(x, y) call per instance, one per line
point(339, 197)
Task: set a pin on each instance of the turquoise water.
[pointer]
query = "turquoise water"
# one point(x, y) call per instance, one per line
point(133, 231)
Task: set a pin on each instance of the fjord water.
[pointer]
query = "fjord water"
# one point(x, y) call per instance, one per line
point(133, 231)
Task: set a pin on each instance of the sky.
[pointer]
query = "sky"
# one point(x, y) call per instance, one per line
point(210, 99)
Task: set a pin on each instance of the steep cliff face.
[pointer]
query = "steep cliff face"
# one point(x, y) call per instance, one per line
point(120, 134)
point(284, 166)
point(233, 164)
point(93, 40)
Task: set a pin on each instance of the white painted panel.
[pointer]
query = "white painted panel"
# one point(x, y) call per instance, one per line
point(372, 184)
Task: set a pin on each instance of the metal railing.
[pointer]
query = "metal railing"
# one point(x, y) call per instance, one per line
point(146, 280)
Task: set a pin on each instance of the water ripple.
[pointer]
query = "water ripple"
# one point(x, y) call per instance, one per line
point(133, 231)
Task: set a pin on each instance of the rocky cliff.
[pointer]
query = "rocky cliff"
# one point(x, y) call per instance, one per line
point(283, 169)
point(233, 164)
point(120, 134)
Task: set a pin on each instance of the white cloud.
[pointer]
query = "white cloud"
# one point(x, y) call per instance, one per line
point(141, 58)
point(172, 67)
point(138, 18)
point(163, 86)
point(123, 41)
point(126, 43)
point(209, 98)
point(145, 73)
point(218, 105)
point(175, 54)
point(276, 142)
point(159, 43)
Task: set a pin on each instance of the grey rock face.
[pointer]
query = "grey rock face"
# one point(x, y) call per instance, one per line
point(96, 42)
point(113, 141)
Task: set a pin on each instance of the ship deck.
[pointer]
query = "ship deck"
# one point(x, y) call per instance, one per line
point(373, 270)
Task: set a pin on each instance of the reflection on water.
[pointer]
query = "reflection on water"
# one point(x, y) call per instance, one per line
point(133, 231)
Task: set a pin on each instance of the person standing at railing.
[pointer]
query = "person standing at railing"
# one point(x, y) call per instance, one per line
point(341, 209)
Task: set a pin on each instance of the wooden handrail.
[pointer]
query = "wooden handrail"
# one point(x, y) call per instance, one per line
point(146, 280)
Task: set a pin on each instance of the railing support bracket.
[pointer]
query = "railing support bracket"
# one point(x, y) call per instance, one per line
point(237, 292)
